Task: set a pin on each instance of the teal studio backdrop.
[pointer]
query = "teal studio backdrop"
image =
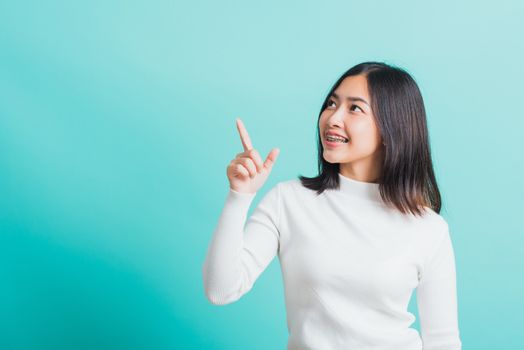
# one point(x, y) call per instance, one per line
point(117, 123)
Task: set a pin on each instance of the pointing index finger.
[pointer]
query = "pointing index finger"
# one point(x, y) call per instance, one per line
point(244, 136)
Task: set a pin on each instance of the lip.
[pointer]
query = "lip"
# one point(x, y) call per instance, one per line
point(330, 144)
point(335, 134)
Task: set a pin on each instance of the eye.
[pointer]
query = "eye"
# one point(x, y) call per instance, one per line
point(357, 107)
point(330, 101)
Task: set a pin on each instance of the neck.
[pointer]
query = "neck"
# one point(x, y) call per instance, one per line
point(363, 190)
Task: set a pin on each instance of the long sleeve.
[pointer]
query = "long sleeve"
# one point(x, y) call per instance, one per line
point(437, 299)
point(238, 253)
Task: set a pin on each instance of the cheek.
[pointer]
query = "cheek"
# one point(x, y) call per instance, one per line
point(322, 122)
point(364, 134)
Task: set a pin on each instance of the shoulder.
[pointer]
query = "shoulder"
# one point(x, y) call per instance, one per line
point(289, 183)
point(436, 220)
point(283, 188)
point(433, 227)
point(289, 190)
point(293, 188)
point(433, 217)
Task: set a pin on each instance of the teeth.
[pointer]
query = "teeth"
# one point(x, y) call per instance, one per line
point(336, 139)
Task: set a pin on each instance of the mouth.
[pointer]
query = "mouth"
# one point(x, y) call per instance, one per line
point(336, 139)
point(333, 144)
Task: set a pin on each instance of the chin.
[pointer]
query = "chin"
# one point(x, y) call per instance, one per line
point(333, 159)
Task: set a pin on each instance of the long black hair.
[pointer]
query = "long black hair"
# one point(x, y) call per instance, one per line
point(407, 180)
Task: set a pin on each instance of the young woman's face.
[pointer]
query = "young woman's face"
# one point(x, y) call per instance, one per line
point(348, 113)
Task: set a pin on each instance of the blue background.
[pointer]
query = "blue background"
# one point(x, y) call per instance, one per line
point(117, 122)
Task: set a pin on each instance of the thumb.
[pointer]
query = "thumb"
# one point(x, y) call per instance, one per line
point(271, 158)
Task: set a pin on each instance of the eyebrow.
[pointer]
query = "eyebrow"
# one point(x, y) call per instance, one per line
point(351, 98)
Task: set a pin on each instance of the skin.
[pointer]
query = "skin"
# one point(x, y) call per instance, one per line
point(362, 157)
point(247, 172)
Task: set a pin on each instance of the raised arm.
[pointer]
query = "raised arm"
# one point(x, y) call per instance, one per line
point(239, 251)
point(437, 299)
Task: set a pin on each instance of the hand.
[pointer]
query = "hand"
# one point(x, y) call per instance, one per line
point(247, 173)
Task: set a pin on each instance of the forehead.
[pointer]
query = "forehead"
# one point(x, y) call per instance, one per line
point(356, 85)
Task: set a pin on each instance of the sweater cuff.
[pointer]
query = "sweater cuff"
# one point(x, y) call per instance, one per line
point(241, 198)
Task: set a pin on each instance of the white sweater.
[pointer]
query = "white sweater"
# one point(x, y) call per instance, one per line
point(349, 264)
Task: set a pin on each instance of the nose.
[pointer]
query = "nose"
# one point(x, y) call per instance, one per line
point(336, 118)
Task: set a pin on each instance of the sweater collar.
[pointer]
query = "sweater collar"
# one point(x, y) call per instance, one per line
point(361, 189)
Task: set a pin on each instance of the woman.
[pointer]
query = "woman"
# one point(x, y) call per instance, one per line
point(354, 241)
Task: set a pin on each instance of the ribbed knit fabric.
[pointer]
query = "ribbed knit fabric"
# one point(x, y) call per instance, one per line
point(349, 264)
